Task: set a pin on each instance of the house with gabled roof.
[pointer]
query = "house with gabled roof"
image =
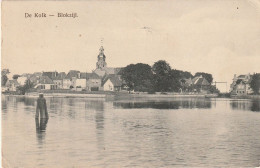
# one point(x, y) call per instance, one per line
point(58, 80)
point(80, 81)
point(45, 83)
point(93, 82)
point(112, 82)
point(51, 74)
point(200, 84)
point(69, 81)
point(241, 85)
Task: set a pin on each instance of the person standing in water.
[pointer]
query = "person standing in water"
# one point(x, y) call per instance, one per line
point(41, 108)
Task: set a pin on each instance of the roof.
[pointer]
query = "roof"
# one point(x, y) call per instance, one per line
point(51, 75)
point(12, 82)
point(33, 78)
point(84, 75)
point(115, 79)
point(92, 76)
point(110, 70)
point(195, 79)
point(60, 76)
point(71, 74)
point(241, 76)
point(100, 72)
point(45, 80)
point(200, 81)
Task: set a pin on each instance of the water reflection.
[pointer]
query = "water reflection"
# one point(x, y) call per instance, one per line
point(99, 120)
point(251, 105)
point(41, 129)
point(176, 104)
point(99, 133)
point(255, 106)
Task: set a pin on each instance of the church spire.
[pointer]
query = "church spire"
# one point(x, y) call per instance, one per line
point(101, 63)
point(101, 50)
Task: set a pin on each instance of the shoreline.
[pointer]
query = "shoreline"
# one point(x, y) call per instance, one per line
point(113, 94)
point(246, 97)
point(127, 95)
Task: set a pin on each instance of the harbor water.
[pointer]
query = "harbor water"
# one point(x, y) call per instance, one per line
point(136, 132)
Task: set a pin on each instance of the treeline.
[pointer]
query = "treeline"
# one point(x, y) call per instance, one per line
point(255, 83)
point(157, 78)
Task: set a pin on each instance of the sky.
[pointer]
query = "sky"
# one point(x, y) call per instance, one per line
point(220, 37)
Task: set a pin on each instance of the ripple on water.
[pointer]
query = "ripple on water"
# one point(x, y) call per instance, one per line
point(132, 133)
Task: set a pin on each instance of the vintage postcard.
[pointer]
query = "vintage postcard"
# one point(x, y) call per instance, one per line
point(130, 83)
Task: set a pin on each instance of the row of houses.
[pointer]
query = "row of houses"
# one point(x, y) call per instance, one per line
point(73, 80)
point(102, 78)
point(76, 80)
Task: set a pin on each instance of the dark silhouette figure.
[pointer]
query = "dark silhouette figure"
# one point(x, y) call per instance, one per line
point(41, 108)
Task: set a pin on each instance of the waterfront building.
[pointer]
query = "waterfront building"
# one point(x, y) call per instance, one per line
point(45, 83)
point(69, 81)
point(93, 82)
point(200, 84)
point(51, 75)
point(58, 80)
point(112, 83)
point(80, 81)
point(241, 85)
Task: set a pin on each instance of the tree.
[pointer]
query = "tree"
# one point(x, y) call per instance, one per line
point(4, 77)
point(161, 67)
point(176, 76)
point(138, 77)
point(213, 89)
point(28, 85)
point(163, 76)
point(185, 74)
point(255, 83)
point(207, 76)
point(16, 76)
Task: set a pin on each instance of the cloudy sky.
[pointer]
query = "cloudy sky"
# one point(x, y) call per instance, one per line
point(220, 37)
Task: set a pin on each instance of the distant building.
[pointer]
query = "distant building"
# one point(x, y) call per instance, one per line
point(93, 82)
point(101, 65)
point(241, 85)
point(45, 83)
point(200, 84)
point(81, 81)
point(112, 83)
point(11, 85)
point(58, 80)
point(51, 75)
point(186, 85)
point(69, 81)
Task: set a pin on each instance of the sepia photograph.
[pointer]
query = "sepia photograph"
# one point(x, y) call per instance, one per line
point(130, 83)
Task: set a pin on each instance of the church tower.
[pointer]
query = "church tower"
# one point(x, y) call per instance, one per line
point(101, 63)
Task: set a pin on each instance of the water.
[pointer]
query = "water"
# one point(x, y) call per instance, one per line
point(131, 133)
